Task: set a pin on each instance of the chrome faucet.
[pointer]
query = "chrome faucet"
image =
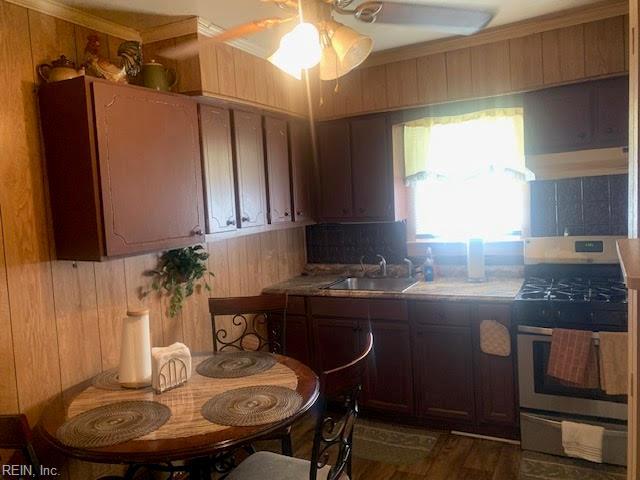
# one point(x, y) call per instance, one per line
point(409, 265)
point(383, 265)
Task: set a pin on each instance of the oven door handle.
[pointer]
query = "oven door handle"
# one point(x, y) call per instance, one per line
point(547, 332)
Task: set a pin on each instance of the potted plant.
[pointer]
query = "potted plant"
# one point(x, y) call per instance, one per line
point(180, 272)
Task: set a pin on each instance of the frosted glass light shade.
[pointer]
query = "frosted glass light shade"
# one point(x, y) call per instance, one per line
point(299, 49)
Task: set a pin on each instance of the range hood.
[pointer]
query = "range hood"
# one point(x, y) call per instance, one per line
point(581, 163)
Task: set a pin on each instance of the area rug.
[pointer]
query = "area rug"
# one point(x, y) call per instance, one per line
point(538, 466)
point(391, 444)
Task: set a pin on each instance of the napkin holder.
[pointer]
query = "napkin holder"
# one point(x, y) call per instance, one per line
point(171, 366)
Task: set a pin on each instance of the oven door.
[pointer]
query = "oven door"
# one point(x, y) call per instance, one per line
point(538, 391)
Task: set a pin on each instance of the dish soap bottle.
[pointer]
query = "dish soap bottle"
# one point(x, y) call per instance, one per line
point(427, 267)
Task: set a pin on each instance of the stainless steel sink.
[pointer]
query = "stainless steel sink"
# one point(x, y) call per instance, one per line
point(373, 284)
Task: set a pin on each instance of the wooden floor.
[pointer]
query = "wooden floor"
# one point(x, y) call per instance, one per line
point(454, 457)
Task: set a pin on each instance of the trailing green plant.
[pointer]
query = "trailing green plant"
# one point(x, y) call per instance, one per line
point(180, 272)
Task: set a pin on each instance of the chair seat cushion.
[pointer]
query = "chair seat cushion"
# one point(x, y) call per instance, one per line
point(262, 465)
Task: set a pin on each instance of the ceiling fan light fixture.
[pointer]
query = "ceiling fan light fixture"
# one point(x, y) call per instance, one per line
point(351, 47)
point(299, 49)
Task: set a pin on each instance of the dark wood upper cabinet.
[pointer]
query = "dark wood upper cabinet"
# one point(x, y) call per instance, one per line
point(301, 169)
point(612, 101)
point(335, 170)
point(371, 167)
point(495, 376)
point(577, 117)
point(278, 175)
point(217, 159)
point(249, 158)
point(124, 169)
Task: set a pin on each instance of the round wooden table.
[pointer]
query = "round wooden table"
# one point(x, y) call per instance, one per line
point(186, 435)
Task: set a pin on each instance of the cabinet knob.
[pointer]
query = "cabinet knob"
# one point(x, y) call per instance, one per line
point(609, 130)
point(245, 219)
point(231, 222)
point(196, 231)
point(286, 214)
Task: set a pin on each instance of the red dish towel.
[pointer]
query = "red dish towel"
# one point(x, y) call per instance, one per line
point(569, 360)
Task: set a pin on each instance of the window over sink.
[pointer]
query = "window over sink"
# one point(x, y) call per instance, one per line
point(467, 174)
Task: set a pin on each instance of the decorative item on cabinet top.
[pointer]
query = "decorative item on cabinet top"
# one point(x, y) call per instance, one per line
point(157, 76)
point(59, 69)
point(129, 52)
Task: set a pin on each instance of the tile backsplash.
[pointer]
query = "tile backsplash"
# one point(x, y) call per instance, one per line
point(579, 206)
point(346, 243)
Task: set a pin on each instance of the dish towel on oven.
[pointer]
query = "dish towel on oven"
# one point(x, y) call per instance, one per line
point(580, 440)
point(613, 362)
point(573, 358)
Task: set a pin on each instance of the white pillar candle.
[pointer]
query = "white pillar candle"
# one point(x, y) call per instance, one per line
point(135, 353)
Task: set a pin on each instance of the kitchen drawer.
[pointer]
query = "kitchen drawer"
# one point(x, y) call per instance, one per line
point(543, 433)
point(388, 309)
point(296, 305)
point(440, 313)
point(339, 307)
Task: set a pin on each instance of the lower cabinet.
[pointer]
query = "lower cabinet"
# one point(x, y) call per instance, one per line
point(388, 384)
point(443, 366)
point(427, 364)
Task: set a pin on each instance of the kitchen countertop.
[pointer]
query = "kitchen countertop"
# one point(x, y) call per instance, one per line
point(499, 289)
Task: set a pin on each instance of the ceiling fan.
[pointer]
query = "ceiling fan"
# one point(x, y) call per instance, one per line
point(338, 48)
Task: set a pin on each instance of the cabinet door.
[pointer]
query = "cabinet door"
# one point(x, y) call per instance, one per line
point(443, 372)
point(250, 168)
point(495, 381)
point(372, 168)
point(559, 119)
point(150, 173)
point(302, 170)
point(297, 339)
point(612, 123)
point(335, 170)
point(389, 385)
point(278, 175)
point(217, 158)
point(336, 342)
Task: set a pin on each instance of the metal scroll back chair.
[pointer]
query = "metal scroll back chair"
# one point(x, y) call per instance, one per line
point(257, 323)
point(15, 434)
point(333, 438)
point(261, 325)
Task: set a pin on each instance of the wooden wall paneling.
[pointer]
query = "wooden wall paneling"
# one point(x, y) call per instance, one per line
point(76, 311)
point(402, 83)
point(327, 102)
point(275, 90)
point(112, 308)
point(239, 281)
point(374, 88)
point(604, 46)
point(625, 22)
point(261, 73)
point(525, 59)
point(350, 93)
point(189, 70)
point(432, 78)
point(219, 265)
point(50, 38)
point(113, 43)
point(226, 70)
point(9, 390)
point(269, 257)
point(459, 83)
point(251, 269)
point(24, 220)
point(209, 66)
point(490, 71)
point(563, 54)
point(82, 34)
point(245, 75)
point(196, 323)
point(137, 282)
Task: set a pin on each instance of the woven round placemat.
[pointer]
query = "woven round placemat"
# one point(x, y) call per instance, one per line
point(249, 406)
point(236, 364)
point(112, 424)
point(108, 380)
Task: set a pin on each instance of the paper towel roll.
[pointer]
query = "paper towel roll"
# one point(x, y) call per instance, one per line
point(135, 353)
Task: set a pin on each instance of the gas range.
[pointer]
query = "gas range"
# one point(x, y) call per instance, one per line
point(570, 284)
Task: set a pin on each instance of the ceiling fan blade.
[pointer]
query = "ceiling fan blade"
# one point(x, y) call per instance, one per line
point(191, 48)
point(461, 21)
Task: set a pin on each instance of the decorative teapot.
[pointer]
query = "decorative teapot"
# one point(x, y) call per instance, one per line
point(157, 76)
point(60, 69)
